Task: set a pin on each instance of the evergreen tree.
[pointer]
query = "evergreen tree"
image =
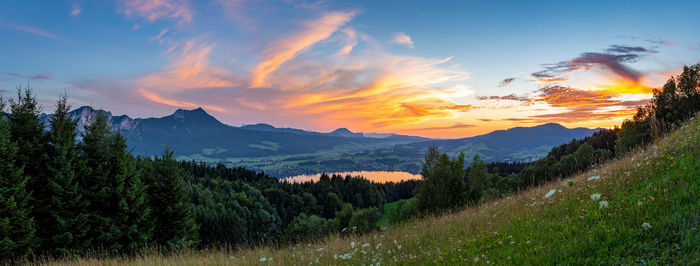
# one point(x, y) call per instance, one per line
point(17, 228)
point(28, 134)
point(133, 212)
point(95, 182)
point(119, 212)
point(65, 227)
point(172, 211)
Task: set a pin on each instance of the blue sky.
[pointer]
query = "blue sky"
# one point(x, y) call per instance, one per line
point(429, 68)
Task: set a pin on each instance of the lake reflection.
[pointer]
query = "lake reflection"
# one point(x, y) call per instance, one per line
point(375, 176)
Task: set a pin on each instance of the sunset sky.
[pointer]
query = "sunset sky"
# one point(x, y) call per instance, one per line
point(430, 68)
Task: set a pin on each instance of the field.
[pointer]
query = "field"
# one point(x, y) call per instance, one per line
point(639, 209)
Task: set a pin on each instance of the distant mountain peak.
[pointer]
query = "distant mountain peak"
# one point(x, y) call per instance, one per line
point(342, 130)
point(195, 113)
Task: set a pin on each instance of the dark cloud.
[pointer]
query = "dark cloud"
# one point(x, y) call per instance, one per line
point(505, 82)
point(38, 76)
point(612, 59)
point(626, 49)
point(42, 76)
point(485, 120)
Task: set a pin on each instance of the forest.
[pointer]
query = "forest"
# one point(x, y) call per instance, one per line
point(66, 194)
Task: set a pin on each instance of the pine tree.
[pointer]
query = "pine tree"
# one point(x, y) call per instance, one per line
point(94, 181)
point(174, 219)
point(65, 228)
point(28, 133)
point(133, 213)
point(17, 228)
point(119, 211)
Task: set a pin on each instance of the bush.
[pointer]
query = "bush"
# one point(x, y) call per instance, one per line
point(405, 209)
point(305, 227)
point(365, 220)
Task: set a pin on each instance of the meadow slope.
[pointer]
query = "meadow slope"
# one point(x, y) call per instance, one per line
point(642, 208)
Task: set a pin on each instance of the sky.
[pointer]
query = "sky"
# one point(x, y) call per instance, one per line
point(443, 69)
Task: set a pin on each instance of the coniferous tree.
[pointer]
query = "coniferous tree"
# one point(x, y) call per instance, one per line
point(65, 227)
point(132, 215)
point(17, 228)
point(95, 182)
point(28, 133)
point(173, 216)
point(119, 212)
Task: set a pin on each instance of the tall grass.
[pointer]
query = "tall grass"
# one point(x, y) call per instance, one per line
point(647, 212)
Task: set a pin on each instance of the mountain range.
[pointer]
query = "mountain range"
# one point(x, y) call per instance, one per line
point(196, 135)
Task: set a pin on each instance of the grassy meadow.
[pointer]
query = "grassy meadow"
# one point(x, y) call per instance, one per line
point(640, 209)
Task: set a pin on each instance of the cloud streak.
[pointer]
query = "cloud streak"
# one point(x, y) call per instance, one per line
point(34, 30)
point(280, 51)
point(152, 10)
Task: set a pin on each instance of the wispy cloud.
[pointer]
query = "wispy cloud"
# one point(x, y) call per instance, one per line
point(402, 38)
point(282, 50)
point(152, 10)
point(509, 97)
point(37, 76)
point(75, 11)
point(33, 30)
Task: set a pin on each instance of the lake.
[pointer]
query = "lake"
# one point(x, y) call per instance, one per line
point(375, 176)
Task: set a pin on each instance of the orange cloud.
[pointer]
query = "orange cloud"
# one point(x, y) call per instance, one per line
point(157, 99)
point(189, 69)
point(152, 10)
point(282, 50)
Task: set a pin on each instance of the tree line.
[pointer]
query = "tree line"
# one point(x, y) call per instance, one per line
point(67, 192)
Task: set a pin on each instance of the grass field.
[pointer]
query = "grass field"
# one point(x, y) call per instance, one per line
point(640, 209)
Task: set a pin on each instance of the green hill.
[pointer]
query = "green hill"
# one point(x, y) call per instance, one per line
point(635, 210)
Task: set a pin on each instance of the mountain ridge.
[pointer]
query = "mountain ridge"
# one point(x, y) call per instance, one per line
point(196, 135)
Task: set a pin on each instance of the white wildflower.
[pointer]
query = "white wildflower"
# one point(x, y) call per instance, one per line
point(378, 246)
point(476, 259)
point(550, 193)
point(263, 259)
point(352, 244)
point(365, 245)
point(595, 177)
point(603, 203)
point(595, 196)
point(646, 226)
point(319, 250)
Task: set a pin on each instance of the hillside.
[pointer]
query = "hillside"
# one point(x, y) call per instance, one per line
point(639, 209)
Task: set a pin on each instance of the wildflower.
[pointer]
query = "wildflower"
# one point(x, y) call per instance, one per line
point(595, 196)
point(595, 177)
point(550, 193)
point(263, 259)
point(319, 250)
point(603, 204)
point(651, 198)
point(646, 226)
point(476, 259)
point(365, 245)
point(639, 203)
point(352, 244)
point(378, 246)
